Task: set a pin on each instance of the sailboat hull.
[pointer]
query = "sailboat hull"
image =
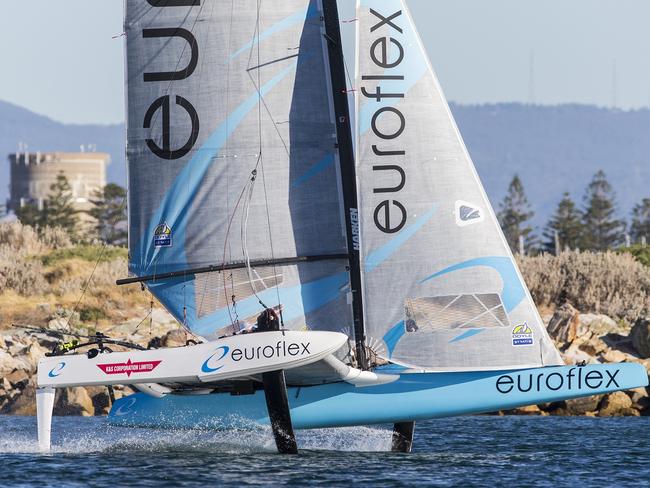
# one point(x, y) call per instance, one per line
point(414, 396)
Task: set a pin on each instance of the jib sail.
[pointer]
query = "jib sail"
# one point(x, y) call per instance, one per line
point(440, 286)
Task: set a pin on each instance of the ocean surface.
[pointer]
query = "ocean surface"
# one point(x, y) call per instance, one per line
point(464, 451)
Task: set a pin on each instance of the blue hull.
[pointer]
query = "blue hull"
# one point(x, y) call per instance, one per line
point(414, 396)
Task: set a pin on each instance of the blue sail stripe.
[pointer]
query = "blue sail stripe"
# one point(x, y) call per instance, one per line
point(466, 335)
point(413, 67)
point(297, 301)
point(175, 207)
point(392, 337)
point(513, 291)
point(305, 14)
point(314, 170)
point(379, 255)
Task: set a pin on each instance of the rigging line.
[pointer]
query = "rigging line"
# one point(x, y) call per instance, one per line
point(268, 111)
point(244, 239)
point(225, 245)
point(347, 75)
point(261, 163)
point(207, 279)
point(87, 284)
point(140, 323)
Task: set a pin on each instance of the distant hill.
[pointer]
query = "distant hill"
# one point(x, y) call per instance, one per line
point(553, 148)
point(43, 134)
point(556, 149)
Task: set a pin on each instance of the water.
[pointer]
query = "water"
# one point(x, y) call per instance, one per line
point(466, 451)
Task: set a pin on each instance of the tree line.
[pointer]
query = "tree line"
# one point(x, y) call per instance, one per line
point(592, 226)
point(108, 213)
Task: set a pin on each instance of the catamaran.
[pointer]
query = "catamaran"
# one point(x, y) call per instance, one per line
point(320, 231)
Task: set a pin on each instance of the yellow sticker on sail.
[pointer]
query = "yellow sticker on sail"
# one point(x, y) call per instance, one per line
point(162, 236)
point(522, 335)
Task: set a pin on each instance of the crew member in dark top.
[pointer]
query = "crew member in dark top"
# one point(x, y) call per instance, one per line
point(268, 320)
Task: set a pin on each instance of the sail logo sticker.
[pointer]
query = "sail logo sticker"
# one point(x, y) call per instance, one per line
point(129, 367)
point(162, 236)
point(209, 364)
point(277, 352)
point(468, 213)
point(522, 335)
point(56, 370)
point(574, 380)
point(354, 223)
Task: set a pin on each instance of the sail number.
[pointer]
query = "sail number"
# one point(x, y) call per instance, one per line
point(387, 122)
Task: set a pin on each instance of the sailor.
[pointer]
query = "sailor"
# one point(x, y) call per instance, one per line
point(268, 320)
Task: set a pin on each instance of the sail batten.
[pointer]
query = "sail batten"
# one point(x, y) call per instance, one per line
point(441, 288)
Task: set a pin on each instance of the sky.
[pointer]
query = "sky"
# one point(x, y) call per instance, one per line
point(64, 58)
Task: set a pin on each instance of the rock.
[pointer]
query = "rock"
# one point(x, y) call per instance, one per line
point(616, 404)
point(9, 363)
point(74, 401)
point(60, 324)
point(591, 344)
point(34, 353)
point(580, 406)
point(18, 378)
point(17, 349)
point(601, 324)
point(23, 404)
point(640, 398)
point(101, 402)
point(527, 410)
point(614, 356)
point(563, 326)
point(574, 355)
point(641, 337)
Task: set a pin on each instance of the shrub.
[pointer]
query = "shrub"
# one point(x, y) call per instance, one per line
point(55, 238)
point(20, 273)
point(90, 253)
point(22, 238)
point(609, 283)
point(641, 253)
point(92, 314)
point(28, 241)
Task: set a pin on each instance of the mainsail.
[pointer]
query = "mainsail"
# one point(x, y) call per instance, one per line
point(440, 286)
point(233, 160)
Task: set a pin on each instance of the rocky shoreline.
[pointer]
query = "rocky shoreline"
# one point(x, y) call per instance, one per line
point(581, 338)
point(20, 351)
point(592, 339)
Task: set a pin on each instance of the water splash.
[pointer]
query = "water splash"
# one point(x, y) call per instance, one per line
point(94, 435)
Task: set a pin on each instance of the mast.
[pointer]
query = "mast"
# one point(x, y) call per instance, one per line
point(346, 161)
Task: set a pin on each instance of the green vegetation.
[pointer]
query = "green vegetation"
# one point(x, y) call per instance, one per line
point(594, 227)
point(58, 212)
point(92, 314)
point(43, 275)
point(640, 228)
point(565, 225)
point(614, 284)
point(602, 230)
point(640, 252)
point(109, 212)
point(85, 252)
point(514, 212)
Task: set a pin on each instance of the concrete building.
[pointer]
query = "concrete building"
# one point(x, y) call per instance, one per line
point(32, 175)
